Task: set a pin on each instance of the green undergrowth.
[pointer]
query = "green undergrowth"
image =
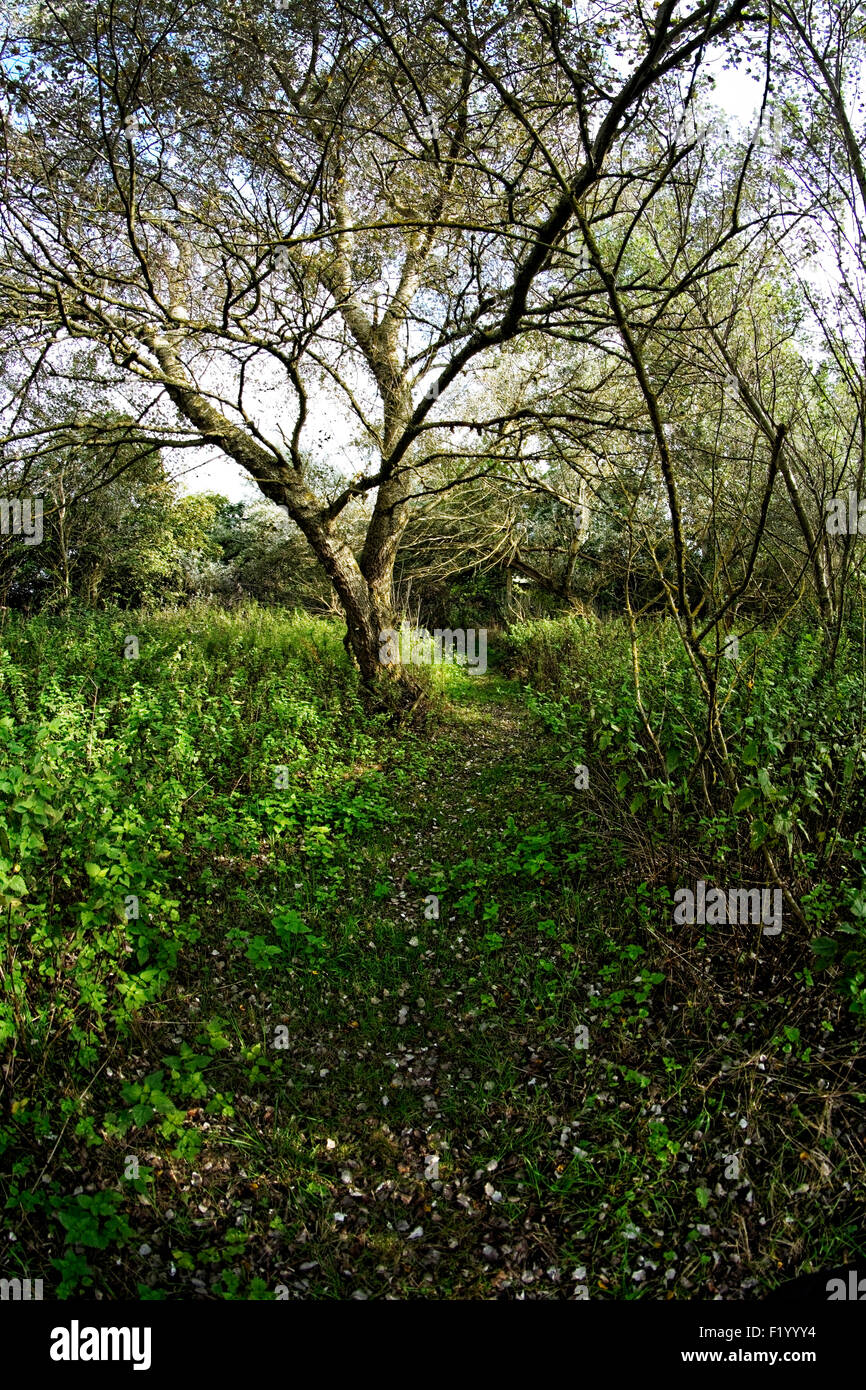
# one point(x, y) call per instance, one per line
point(297, 1004)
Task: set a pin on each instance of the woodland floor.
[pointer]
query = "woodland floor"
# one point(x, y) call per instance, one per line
point(429, 1122)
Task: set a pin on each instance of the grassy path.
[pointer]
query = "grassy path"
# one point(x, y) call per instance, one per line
point(435, 1074)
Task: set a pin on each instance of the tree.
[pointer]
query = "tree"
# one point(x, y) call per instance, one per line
point(263, 557)
point(377, 195)
point(113, 528)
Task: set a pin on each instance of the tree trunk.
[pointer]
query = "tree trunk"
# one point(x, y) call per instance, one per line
point(366, 602)
point(364, 589)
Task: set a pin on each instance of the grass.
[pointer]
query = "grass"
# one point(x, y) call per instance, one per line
point(289, 1077)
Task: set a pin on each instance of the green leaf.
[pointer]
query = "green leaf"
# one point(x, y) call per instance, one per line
point(745, 798)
